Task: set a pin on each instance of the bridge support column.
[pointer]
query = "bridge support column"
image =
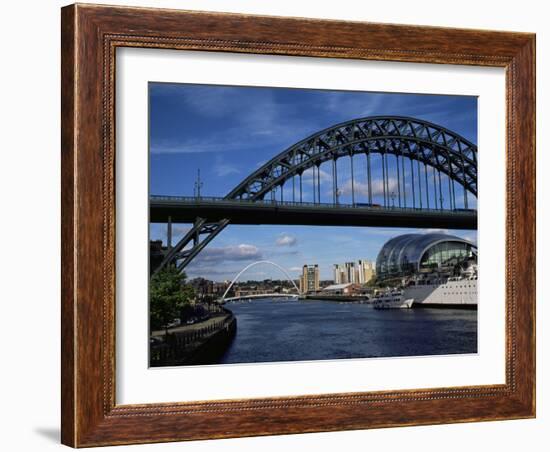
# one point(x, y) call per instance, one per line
point(169, 233)
point(199, 236)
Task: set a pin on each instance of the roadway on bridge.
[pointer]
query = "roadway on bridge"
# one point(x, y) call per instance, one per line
point(187, 209)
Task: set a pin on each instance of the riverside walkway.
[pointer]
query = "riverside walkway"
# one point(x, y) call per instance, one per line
point(195, 327)
point(203, 342)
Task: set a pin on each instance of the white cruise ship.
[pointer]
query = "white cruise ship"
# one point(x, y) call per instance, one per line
point(434, 291)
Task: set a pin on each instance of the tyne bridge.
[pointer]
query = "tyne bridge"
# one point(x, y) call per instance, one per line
point(385, 171)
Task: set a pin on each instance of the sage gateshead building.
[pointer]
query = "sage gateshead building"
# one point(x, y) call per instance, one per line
point(410, 254)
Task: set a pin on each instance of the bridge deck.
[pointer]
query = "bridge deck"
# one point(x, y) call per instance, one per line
point(187, 209)
point(262, 295)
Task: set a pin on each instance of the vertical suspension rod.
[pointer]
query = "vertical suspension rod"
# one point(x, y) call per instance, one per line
point(319, 184)
point(313, 180)
point(440, 192)
point(398, 180)
point(427, 186)
point(387, 182)
point(454, 197)
point(403, 175)
point(334, 181)
point(300, 186)
point(464, 181)
point(450, 182)
point(412, 184)
point(384, 178)
point(369, 183)
point(352, 182)
point(435, 188)
point(419, 185)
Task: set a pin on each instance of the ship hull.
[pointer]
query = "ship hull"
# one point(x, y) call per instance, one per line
point(445, 306)
point(451, 294)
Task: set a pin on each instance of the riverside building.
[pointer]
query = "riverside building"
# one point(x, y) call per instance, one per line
point(414, 254)
point(309, 281)
point(434, 270)
point(359, 272)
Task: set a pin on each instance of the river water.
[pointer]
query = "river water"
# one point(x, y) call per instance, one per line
point(272, 330)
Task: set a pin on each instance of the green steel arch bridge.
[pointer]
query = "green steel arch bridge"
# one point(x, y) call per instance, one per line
point(401, 172)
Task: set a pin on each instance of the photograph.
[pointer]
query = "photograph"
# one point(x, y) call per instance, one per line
point(291, 224)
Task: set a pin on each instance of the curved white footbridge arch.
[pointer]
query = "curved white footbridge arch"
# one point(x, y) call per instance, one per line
point(252, 265)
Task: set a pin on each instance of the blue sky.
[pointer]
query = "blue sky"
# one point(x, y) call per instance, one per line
point(228, 132)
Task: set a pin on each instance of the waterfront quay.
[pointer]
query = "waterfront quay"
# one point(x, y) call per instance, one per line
point(203, 342)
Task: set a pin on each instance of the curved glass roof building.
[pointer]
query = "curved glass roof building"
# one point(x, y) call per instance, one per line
point(413, 253)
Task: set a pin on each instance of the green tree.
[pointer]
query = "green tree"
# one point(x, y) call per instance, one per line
point(167, 296)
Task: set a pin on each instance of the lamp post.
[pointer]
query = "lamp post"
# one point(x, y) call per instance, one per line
point(198, 185)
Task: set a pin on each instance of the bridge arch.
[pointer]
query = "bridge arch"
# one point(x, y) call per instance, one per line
point(405, 137)
point(254, 264)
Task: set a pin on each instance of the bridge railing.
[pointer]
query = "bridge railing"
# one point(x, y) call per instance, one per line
point(306, 204)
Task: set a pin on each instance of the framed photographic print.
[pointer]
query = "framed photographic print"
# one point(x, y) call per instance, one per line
point(278, 225)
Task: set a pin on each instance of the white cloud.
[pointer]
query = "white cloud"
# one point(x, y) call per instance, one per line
point(323, 175)
point(377, 187)
point(241, 252)
point(286, 240)
point(223, 168)
point(215, 143)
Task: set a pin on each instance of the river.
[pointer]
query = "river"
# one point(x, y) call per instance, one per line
point(271, 330)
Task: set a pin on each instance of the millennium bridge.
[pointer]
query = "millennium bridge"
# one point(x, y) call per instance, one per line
point(399, 171)
point(258, 297)
point(224, 299)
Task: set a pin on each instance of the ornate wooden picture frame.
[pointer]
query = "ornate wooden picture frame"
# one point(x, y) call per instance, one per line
point(90, 37)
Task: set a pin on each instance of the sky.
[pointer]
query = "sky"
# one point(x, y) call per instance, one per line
point(228, 132)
